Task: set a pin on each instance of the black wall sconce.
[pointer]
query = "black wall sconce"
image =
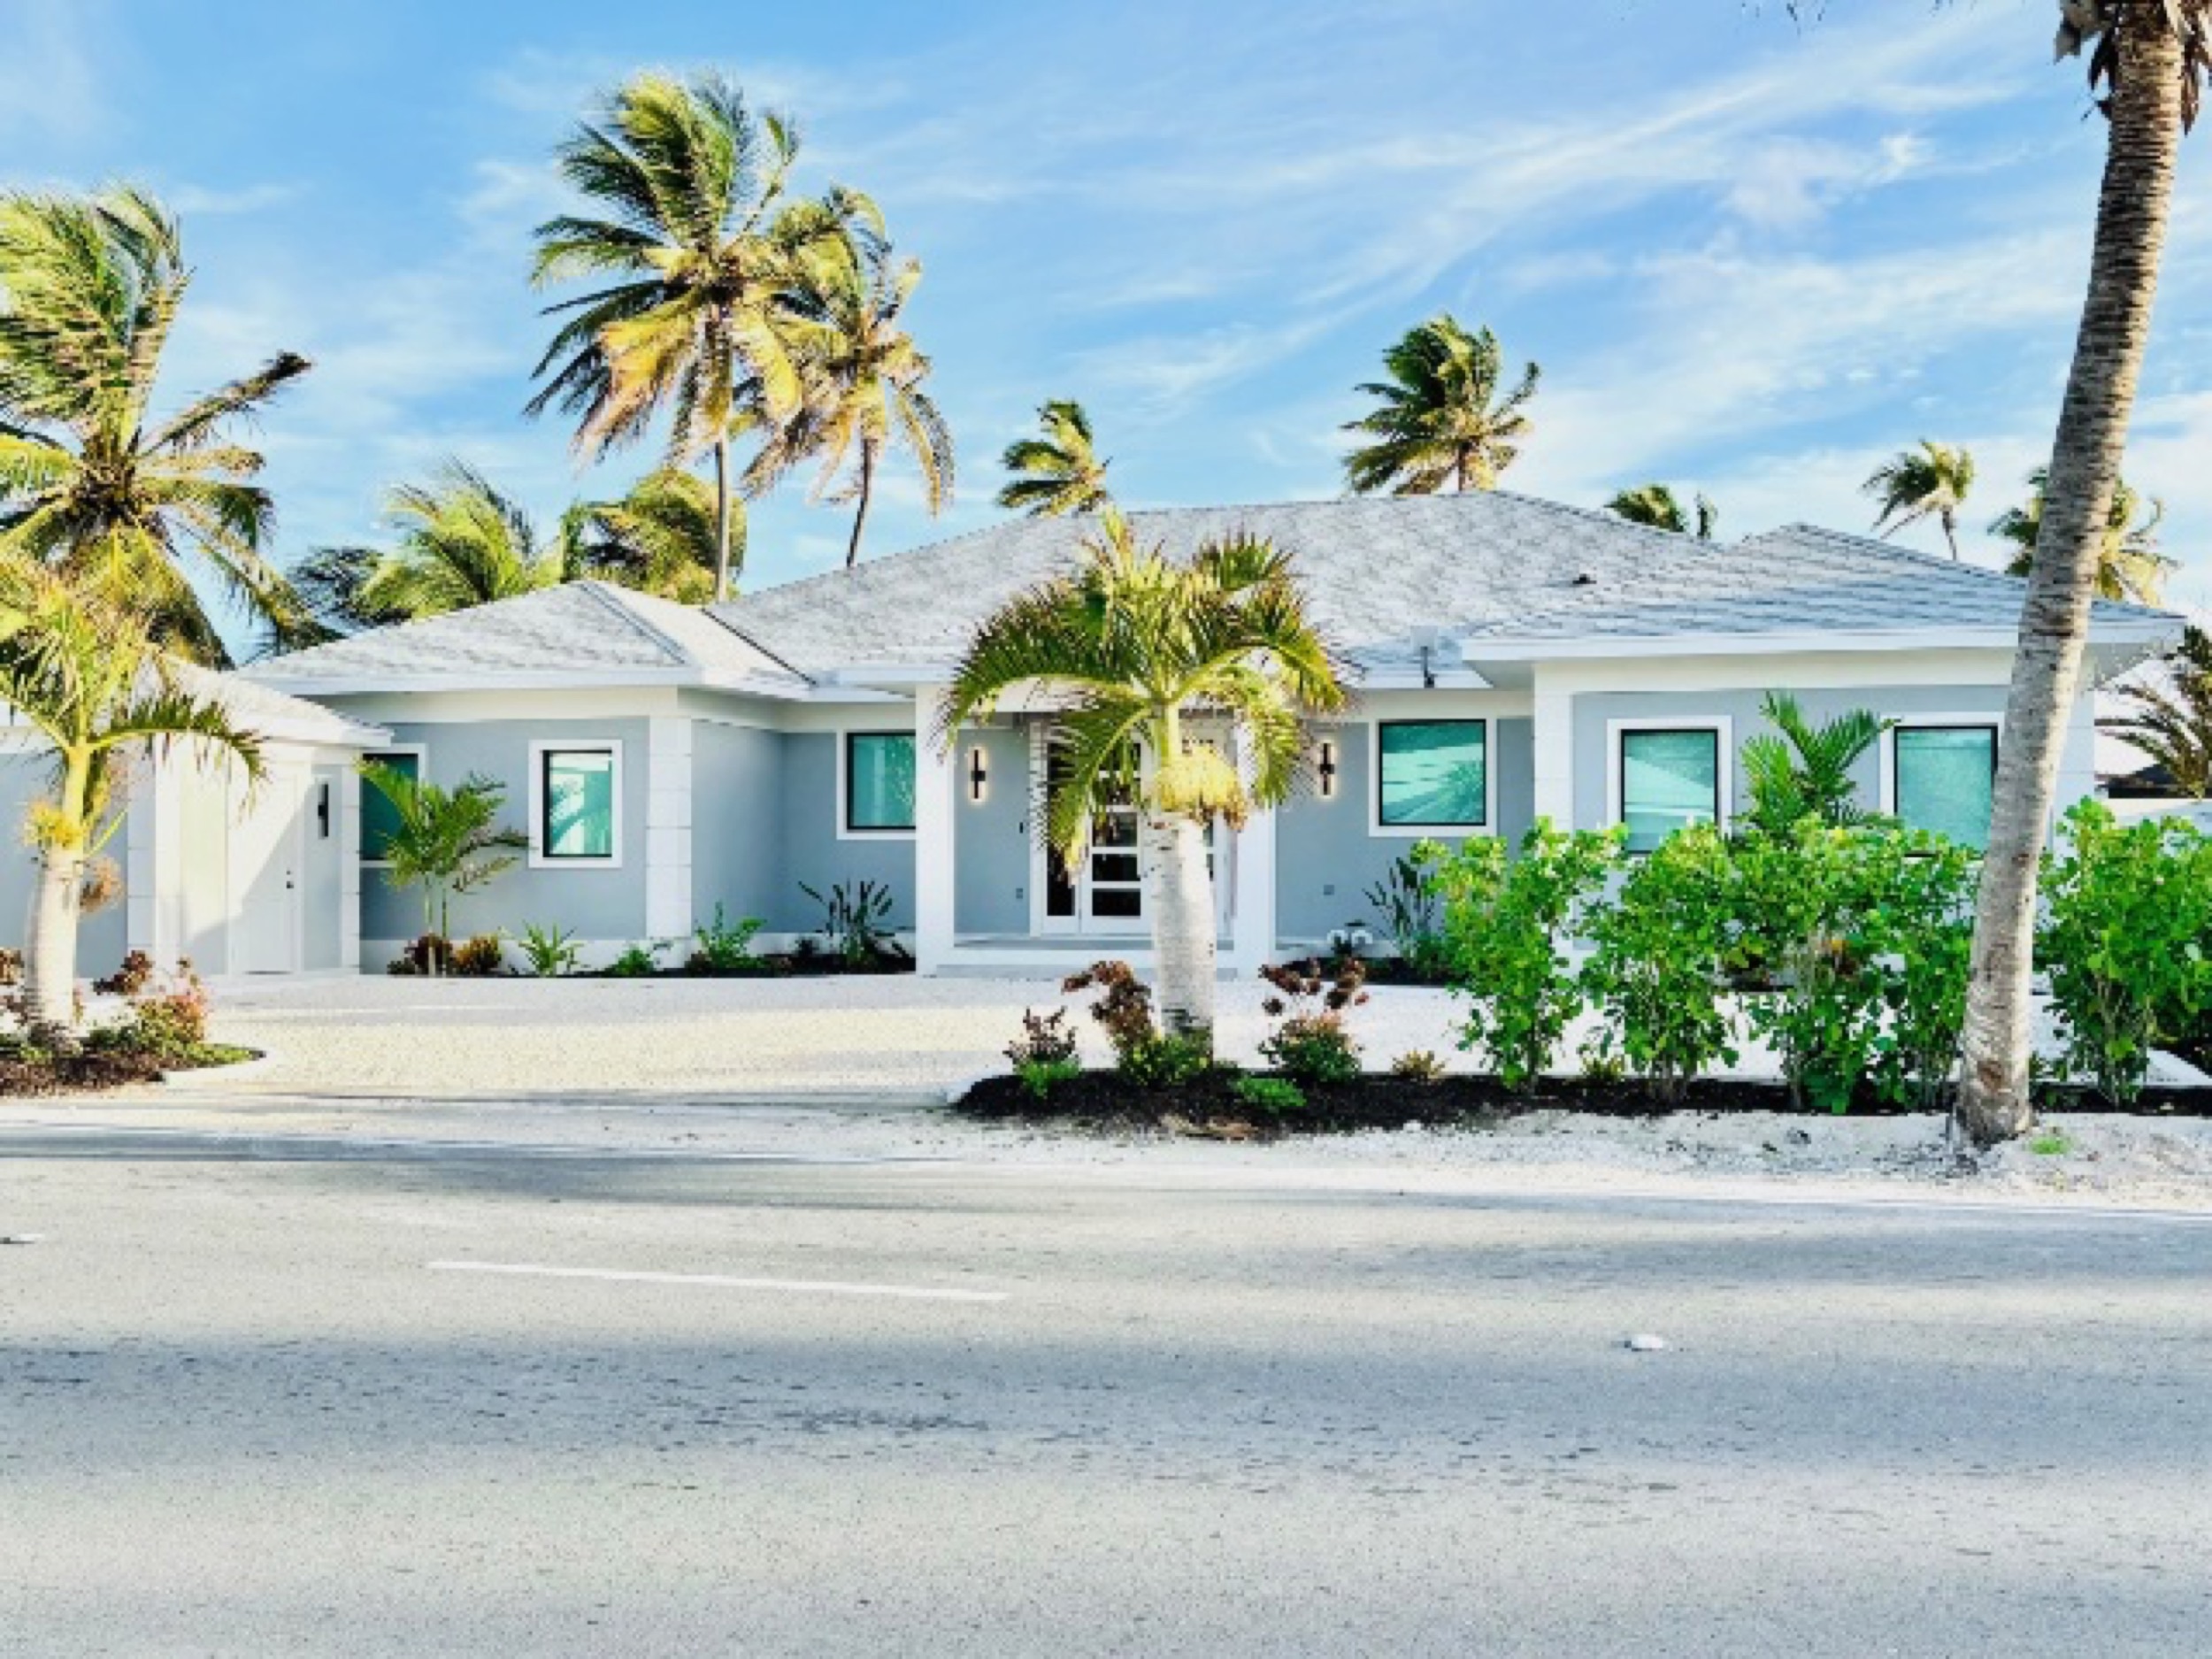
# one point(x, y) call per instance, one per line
point(977, 776)
point(322, 812)
point(1326, 771)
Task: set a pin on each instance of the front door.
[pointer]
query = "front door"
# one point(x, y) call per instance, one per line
point(266, 874)
point(1104, 893)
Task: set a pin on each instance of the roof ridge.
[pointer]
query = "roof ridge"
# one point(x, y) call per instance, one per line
point(713, 614)
point(604, 593)
point(1921, 558)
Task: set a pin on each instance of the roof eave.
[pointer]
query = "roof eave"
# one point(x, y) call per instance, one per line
point(2146, 633)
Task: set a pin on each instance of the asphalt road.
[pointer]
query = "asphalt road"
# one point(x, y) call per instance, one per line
point(264, 1404)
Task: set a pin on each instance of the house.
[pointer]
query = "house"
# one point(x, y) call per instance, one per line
point(1511, 658)
point(238, 877)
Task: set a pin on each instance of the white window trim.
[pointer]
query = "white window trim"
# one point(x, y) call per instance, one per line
point(1723, 728)
point(1376, 827)
point(540, 748)
point(845, 735)
point(421, 752)
point(1983, 718)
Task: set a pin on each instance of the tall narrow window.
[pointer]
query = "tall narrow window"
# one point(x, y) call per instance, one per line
point(576, 801)
point(1947, 778)
point(1670, 780)
point(379, 816)
point(879, 780)
point(1433, 774)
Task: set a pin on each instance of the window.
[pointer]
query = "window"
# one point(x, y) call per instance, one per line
point(1431, 774)
point(1669, 779)
point(1945, 780)
point(878, 781)
point(576, 792)
point(379, 816)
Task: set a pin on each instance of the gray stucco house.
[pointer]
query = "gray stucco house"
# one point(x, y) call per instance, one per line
point(1512, 658)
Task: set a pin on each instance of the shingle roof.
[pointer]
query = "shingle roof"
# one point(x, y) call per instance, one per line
point(272, 712)
point(587, 628)
point(1796, 581)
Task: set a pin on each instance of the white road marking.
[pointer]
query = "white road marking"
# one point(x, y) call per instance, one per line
point(815, 1287)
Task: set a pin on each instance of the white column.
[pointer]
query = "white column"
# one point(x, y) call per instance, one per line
point(936, 789)
point(1253, 874)
point(151, 867)
point(668, 827)
point(1554, 754)
point(348, 808)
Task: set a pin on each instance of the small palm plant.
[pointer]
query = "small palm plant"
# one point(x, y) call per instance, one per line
point(1801, 771)
point(2170, 719)
point(1443, 420)
point(1656, 505)
point(1060, 470)
point(445, 841)
point(92, 682)
point(1932, 481)
point(1136, 643)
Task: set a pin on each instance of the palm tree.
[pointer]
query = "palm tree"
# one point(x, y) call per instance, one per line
point(1801, 771)
point(461, 543)
point(660, 538)
point(2171, 719)
point(1656, 506)
point(698, 248)
point(1441, 421)
point(1932, 481)
point(93, 682)
point(1058, 472)
point(1134, 643)
point(445, 841)
point(2130, 568)
point(2150, 57)
point(92, 483)
point(861, 382)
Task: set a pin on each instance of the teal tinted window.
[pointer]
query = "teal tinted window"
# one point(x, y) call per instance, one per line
point(1433, 772)
point(1668, 781)
point(879, 780)
point(1947, 778)
point(577, 798)
point(379, 816)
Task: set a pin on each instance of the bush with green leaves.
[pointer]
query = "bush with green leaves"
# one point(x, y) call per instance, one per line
point(1310, 1043)
point(1418, 1065)
point(549, 952)
point(722, 945)
point(1657, 971)
point(638, 961)
point(2127, 929)
point(1927, 960)
point(856, 921)
point(1507, 921)
point(1269, 1096)
point(1410, 911)
point(1144, 1054)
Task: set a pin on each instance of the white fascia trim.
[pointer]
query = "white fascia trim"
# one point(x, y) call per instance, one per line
point(1376, 827)
point(539, 749)
point(535, 679)
point(1606, 646)
point(868, 676)
point(1981, 718)
point(1724, 725)
point(1448, 679)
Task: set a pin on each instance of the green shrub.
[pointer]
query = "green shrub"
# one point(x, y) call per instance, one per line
point(167, 1020)
point(723, 946)
point(1418, 1065)
point(1041, 1077)
point(1657, 969)
point(549, 952)
point(1169, 1060)
point(2128, 923)
point(638, 961)
point(1270, 1096)
point(1410, 910)
point(1144, 1054)
point(1926, 959)
point(1506, 921)
point(856, 921)
point(1309, 1043)
point(1046, 1039)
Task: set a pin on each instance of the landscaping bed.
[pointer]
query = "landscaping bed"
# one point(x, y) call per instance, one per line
point(1105, 1101)
point(94, 1070)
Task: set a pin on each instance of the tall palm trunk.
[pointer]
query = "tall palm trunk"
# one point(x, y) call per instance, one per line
point(50, 955)
point(2132, 210)
point(721, 518)
point(1178, 893)
point(867, 489)
point(1951, 533)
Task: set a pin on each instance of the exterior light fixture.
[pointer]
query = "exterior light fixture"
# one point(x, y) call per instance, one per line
point(1428, 640)
point(1326, 771)
point(977, 776)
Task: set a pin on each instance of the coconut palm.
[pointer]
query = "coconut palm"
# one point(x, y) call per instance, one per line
point(660, 538)
point(697, 250)
point(92, 682)
point(461, 543)
point(1134, 643)
point(2170, 717)
point(1440, 420)
point(1059, 471)
point(1932, 481)
point(2130, 568)
point(2149, 59)
point(92, 481)
point(1800, 771)
point(861, 379)
point(1656, 506)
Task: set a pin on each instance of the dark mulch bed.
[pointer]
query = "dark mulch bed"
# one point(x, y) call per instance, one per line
point(89, 1071)
point(777, 967)
point(1100, 1100)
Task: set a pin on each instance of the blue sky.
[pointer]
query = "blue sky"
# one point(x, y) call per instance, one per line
point(1749, 259)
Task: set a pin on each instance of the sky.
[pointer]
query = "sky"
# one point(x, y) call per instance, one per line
point(1750, 259)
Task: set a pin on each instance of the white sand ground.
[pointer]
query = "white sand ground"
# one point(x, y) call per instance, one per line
point(851, 1068)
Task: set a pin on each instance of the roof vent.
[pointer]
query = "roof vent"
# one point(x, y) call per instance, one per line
point(1583, 579)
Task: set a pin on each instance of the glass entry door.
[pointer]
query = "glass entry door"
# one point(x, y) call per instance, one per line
point(1104, 894)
